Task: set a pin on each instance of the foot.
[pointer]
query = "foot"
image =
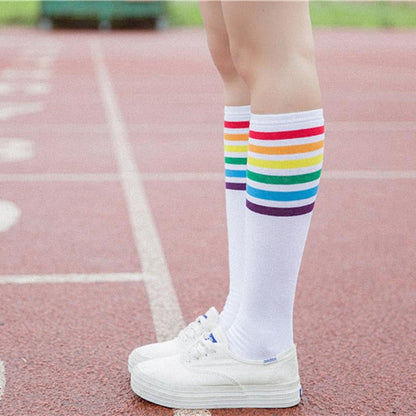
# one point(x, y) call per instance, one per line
point(208, 375)
point(201, 327)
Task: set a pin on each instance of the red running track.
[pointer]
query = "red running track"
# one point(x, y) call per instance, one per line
point(113, 225)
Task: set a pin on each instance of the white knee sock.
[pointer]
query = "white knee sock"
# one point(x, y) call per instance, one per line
point(283, 169)
point(236, 126)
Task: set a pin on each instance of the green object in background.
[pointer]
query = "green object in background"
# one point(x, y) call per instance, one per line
point(330, 13)
point(365, 14)
point(183, 13)
point(103, 12)
point(19, 12)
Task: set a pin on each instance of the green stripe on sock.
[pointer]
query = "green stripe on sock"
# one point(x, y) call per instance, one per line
point(284, 180)
point(236, 160)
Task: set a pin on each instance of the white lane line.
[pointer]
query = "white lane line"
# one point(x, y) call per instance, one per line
point(369, 174)
point(22, 279)
point(375, 126)
point(183, 176)
point(2, 379)
point(182, 130)
point(210, 127)
point(10, 214)
point(191, 412)
point(17, 73)
point(13, 149)
point(55, 128)
point(327, 174)
point(59, 177)
point(191, 176)
point(189, 129)
point(167, 315)
point(9, 110)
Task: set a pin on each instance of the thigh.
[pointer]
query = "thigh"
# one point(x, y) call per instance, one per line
point(271, 45)
point(268, 27)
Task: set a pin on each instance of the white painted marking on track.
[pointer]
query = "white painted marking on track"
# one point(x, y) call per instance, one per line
point(6, 88)
point(369, 174)
point(191, 412)
point(183, 176)
point(59, 177)
point(167, 315)
point(9, 215)
point(32, 88)
point(15, 150)
point(56, 128)
point(374, 126)
point(37, 88)
point(2, 379)
point(192, 176)
point(327, 174)
point(9, 110)
point(17, 73)
point(22, 279)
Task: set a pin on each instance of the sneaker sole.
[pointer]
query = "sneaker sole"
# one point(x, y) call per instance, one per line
point(138, 360)
point(217, 397)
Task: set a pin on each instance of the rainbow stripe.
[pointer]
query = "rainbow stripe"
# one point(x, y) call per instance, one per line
point(284, 168)
point(235, 150)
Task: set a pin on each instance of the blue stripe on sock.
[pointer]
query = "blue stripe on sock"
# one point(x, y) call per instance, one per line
point(235, 173)
point(282, 196)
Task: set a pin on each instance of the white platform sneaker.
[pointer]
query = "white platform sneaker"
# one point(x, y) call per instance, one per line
point(208, 375)
point(200, 328)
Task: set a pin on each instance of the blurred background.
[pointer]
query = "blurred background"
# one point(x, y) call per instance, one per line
point(162, 14)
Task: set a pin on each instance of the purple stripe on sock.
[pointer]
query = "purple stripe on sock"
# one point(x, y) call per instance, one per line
point(280, 212)
point(235, 186)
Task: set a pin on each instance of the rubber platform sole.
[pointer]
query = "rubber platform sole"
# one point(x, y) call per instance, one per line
point(217, 397)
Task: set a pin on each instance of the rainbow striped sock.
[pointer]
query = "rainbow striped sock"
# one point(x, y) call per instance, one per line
point(284, 163)
point(236, 126)
point(283, 170)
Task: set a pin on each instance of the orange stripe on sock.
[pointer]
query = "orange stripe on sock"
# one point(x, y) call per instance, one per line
point(286, 150)
point(236, 137)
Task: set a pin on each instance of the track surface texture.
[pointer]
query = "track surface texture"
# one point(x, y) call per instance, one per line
point(112, 219)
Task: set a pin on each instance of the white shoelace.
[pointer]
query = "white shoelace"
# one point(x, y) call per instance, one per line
point(203, 348)
point(193, 330)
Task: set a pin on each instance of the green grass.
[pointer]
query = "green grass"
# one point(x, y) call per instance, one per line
point(323, 13)
point(183, 13)
point(330, 13)
point(19, 12)
point(381, 14)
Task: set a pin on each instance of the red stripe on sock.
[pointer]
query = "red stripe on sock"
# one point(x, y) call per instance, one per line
point(290, 134)
point(237, 124)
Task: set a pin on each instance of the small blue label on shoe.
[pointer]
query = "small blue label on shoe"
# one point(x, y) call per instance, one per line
point(270, 360)
point(211, 338)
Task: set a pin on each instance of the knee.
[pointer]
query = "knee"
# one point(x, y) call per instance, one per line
point(221, 56)
point(254, 62)
point(242, 58)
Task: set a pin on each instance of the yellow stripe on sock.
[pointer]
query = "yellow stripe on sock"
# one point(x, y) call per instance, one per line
point(236, 149)
point(285, 164)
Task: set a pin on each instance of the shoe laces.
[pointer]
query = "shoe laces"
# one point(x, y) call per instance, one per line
point(201, 349)
point(193, 330)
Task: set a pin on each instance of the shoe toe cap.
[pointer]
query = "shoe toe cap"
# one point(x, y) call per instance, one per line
point(152, 351)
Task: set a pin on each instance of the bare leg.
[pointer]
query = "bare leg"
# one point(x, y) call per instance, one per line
point(236, 122)
point(272, 48)
point(235, 88)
